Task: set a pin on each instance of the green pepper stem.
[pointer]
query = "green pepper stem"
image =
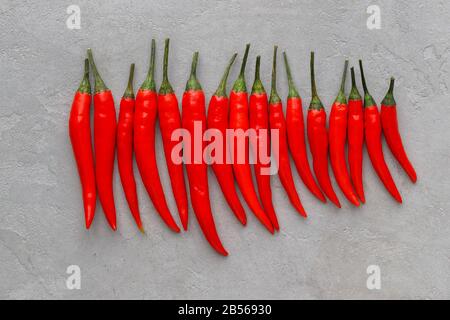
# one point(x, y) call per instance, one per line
point(85, 85)
point(258, 87)
point(99, 85)
point(391, 86)
point(368, 99)
point(166, 87)
point(354, 93)
point(244, 60)
point(315, 104)
point(363, 79)
point(344, 76)
point(193, 83)
point(288, 69)
point(341, 95)
point(274, 70)
point(239, 85)
point(149, 83)
point(194, 65)
point(292, 90)
point(352, 71)
point(86, 67)
point(222, 89)
point(129, 92)
point(257, 67)
point(130, 78)
point(274, 97)
point(313, 79)
point(166, 60)
point(389, 98)
point(151, 69)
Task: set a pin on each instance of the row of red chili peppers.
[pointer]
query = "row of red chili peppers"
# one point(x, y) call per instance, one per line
point(135, 131)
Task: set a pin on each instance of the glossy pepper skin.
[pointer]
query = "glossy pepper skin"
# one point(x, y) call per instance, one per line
point(356, 138)
point(144, 143)
point(218, 119)
point(169, 121)
point(80, 136)
point(338, 137)
point(318, 140)
point(125, 149)
point(105, 125)
point(389, 124)
point(277, 121)
point(194, 113)
point(259, 120)
point(295, 128)
point(239, 119)
point(372, 129)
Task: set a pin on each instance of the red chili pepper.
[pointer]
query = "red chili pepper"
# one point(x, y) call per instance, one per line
point(144, 143)
point(372, 125)
point(239, 120)
point(80, 136)
point(318, 140)
point(218, 119)
point(356, 138)
point(390, 128)
point(125, 149)
point(296, 136)
point(277, 121)
point(338, 137)
point(104, 143)
point(169, 121)
point(259, 120)
point(194, 113)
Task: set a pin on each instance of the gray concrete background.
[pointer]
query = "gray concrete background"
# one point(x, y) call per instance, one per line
point(326, 256)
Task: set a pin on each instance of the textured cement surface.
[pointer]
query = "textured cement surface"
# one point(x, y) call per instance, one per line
point(326, 256)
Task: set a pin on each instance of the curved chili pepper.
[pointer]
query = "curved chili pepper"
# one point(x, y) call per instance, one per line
point(296, 136)
point(277, 121)
point(318, 139)
point(259, 120)
point(356, 138)
point(104, 143)
point(169, 121)
point(144, 143)
point(194, 113)
point(239, 120)
point(372, 126)
point(389, 124)
point(80, 136)
point(338, 135)
point(125, 149)
point(218, 119)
